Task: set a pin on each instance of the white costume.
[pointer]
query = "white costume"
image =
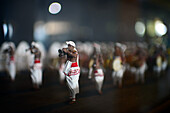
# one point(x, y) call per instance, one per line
point(160, 65)
point(99, 77)
point(12, 67)
point(118, 70)
point(36, 72)
point(72, 72)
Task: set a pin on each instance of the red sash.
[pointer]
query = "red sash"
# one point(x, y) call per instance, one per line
point(97, 74)
point(12, 58)
point(75, 71)
point(36, 61)
point(74, 64)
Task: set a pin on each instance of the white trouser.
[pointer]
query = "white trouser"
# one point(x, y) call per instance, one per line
point(99, 77)
point(36, 73)
point(12, 70)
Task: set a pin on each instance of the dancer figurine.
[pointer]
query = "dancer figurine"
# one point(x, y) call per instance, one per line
point(71, 69)
point(36, 67)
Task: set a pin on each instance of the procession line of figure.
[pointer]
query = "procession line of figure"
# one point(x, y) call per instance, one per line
point(123, 57)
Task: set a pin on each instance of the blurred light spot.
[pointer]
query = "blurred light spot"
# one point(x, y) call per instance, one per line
point(150, 28)
point(160, 28)
point(10, 30)
point(140, 28)
point(39, 31)
point(54, 28)
point(5, 29)
point(54, 8)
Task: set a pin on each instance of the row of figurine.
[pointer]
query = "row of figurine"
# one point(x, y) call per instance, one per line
point(134, 57)
point(95, 58)
point(50, 57)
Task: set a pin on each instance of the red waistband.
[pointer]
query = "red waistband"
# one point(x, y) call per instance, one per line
point(95, 71)
point(97, 74)
point(12, 58)
point(74, 64)
point(36, 61)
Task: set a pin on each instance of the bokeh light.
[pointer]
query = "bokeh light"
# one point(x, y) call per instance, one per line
point(54, 8)
point(10, 27)
point(140, 28)
point(5, 29)
point(150, 28)
point(160, 28)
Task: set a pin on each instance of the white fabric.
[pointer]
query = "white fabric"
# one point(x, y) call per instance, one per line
point(71, 43)
point(99, 77)
point(164, 65)
point(36, 73)
point(140, 72)
point(61, 74)
point(118, 73)
point(90, 73)
point(72, 80)
point(67, 67)
point(12, 70)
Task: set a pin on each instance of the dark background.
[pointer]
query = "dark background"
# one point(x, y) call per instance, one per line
point(91, 20)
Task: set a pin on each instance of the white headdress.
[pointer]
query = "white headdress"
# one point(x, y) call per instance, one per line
point(71, 43)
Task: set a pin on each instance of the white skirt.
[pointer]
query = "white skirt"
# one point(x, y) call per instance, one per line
point(72, 77)
point(36, 73)
point(12, 69)
point(119, 73)
point(99, 77)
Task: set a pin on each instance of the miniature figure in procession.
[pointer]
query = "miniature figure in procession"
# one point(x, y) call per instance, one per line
point(11, 67)
point(96, 70)
point(160, 60)
point(140, 64)
point(72, 69)
point(36, 67)
point(118, 64)
point(96, 49)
